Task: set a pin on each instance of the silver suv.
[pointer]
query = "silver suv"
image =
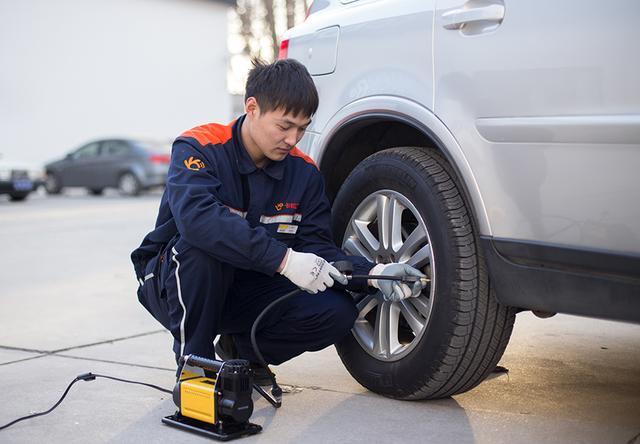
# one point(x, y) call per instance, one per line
point(495, 145)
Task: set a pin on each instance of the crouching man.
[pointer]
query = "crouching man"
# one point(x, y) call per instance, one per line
point(243, 220)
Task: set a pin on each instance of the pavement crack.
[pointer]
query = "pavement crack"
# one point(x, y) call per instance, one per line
point(297, 388)
point(635, 439)
point(44, 353)
point(24, 359)
point(28, 350)
point(107, 341)
point(108, 361)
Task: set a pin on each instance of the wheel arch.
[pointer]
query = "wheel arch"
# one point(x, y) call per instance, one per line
point(56, 172)
point(134, 169)
point(359, 134)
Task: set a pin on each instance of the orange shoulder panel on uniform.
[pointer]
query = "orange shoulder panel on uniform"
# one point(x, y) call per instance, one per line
point(295, 152)
point(212, 133)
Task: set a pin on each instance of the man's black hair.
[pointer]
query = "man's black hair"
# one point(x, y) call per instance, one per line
point(284, 84)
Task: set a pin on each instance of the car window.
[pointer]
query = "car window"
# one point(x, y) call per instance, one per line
point(87, 151)
point(114, 148)
point(154, 147)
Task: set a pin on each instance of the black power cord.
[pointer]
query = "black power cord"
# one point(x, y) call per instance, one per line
point(83, 377)
point(276, 391)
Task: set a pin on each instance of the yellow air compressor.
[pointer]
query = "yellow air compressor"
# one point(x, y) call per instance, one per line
point(218, 404)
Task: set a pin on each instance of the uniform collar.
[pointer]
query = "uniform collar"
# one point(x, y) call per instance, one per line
point(275, 170)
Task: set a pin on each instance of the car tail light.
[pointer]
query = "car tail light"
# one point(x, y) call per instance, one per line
point(284, 49)
point(164, 159)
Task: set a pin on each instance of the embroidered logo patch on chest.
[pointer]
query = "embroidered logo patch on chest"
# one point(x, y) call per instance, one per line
point(287, 229)
point(279, 206)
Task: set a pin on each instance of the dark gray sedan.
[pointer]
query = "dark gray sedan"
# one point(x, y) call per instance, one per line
point(131, 166)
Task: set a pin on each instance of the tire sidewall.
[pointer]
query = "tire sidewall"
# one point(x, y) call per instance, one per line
point(136, 191)
point(53, 184)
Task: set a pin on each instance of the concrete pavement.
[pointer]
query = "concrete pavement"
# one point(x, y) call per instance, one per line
point(68, 306)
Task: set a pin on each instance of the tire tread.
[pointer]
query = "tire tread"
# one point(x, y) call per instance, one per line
point(481, 326)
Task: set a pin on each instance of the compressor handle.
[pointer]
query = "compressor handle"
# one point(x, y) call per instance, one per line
point(205, 363)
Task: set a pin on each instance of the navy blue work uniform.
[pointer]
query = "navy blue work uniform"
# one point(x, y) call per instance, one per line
point(223, 228)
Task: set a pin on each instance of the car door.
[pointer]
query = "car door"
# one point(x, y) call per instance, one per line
point(542, 97)
point(116, 155)
point(81, 166)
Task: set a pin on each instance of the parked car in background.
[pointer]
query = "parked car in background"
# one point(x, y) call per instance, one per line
point(19, 179)
point(131, 166)
point(493, 144)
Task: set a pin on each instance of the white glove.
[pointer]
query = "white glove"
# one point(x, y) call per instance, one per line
point(310, 272)
point(395, 291)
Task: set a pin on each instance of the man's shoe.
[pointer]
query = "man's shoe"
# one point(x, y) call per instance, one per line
point(226, 349)
point(261, 375)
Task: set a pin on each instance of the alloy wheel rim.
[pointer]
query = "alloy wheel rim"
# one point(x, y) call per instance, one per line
point(127, 184)
point(386, 227)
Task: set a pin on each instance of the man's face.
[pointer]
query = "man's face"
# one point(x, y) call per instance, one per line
point(276, 133)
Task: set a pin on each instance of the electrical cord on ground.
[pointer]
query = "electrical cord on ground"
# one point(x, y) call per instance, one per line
point(95, 375)
point(83, 377)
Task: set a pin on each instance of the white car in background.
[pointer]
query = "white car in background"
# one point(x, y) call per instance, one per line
point(493, 144)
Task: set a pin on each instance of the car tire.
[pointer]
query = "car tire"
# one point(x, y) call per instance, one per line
point(52, 184)
point(129, 185)
point(17, 197)
point(450, 338)
point(96, 191)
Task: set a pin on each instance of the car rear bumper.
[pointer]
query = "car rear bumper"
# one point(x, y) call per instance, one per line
point(154, 180)
point(17, 186)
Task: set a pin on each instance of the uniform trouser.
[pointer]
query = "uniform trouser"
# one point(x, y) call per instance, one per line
point(196, 297)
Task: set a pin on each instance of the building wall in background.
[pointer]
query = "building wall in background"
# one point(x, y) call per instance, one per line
point(75, 70)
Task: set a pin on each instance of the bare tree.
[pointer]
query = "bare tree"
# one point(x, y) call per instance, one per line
point(270, 22)
point(245, 12)
point(291, 13)
point(262, 22)
point(255, 32)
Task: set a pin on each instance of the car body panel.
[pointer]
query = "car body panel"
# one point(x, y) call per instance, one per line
point(536, 107)
point(393, 66)
point(81, 166)
point(535, 122)
point(546, 108)
point(115, 158)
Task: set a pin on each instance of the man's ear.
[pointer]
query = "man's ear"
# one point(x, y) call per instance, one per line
point(251, 107)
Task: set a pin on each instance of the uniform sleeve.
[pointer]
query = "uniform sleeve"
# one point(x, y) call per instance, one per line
point(206, 223)
point(315, 232)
